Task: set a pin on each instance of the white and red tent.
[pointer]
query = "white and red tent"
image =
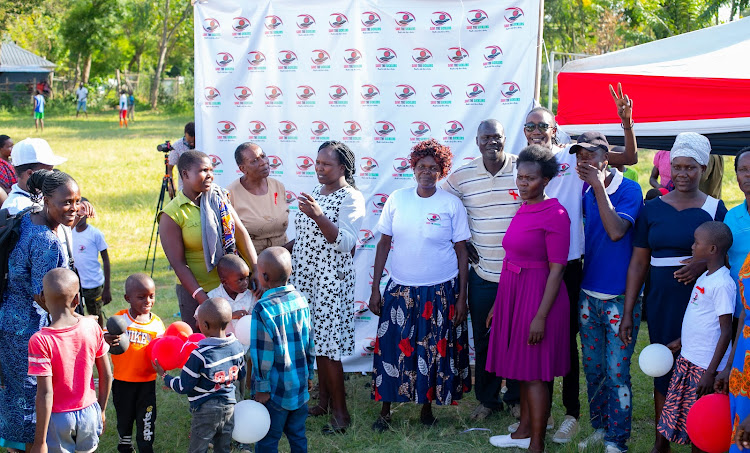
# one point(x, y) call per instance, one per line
point(697, 81)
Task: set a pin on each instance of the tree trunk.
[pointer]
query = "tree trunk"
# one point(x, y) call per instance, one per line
point(77, 72)
point(166, 35)
point(87, 69)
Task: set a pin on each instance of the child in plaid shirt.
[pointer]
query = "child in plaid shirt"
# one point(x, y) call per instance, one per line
point(280, 335)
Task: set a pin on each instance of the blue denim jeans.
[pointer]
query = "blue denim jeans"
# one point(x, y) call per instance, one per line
point(606, 363)
point(213, 422)
point(291, 423)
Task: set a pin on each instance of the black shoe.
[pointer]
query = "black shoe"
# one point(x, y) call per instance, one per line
point(428, 421)
point(382, 424)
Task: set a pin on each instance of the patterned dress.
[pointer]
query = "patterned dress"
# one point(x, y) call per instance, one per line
point(324, 272)
point(739, 378)
point(38, 250)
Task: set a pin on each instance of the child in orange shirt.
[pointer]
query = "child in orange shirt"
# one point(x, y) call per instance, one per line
point(134, 386)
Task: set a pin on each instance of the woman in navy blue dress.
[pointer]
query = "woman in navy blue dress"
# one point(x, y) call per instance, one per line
point(664, 238)
point(38, 250)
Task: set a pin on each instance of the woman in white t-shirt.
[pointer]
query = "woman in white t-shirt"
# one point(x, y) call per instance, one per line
point(422, 346)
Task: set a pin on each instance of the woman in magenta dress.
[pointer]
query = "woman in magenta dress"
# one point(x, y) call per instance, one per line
point(529, 336)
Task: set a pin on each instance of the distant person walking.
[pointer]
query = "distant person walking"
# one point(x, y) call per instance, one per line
point(82, 94)
point(123, 109)
point(39, 110)
point(131, 107)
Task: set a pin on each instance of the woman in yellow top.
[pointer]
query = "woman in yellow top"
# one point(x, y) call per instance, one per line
point(200, 226)
point(259, 201)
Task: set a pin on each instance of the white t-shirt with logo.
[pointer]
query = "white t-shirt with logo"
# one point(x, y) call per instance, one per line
point(82, 93)
point(713, 296)
point(567, 187)
point(424, 231)
point(87, 245)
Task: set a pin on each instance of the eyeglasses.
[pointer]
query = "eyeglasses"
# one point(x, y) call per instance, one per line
point(531, 126)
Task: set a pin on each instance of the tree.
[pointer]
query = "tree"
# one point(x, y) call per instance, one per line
point(90, 26)
point(170, 15)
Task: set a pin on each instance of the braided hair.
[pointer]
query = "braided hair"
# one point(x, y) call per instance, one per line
point(43, 183)
point(346, 158)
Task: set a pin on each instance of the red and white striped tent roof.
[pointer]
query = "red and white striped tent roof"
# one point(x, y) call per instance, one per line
point(697, 81)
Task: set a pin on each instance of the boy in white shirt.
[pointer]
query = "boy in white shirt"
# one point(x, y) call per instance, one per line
point(706, 332)
point(88, 244)
point(235, 278)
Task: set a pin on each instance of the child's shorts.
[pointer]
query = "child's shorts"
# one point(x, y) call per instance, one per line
point(75, 431)
point(681, 396)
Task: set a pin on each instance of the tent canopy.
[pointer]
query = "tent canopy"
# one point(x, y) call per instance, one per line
point(697, 81)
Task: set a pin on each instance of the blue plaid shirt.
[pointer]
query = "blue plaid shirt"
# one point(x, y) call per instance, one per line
point(281, 347)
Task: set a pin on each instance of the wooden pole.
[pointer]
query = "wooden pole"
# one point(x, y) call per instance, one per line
point(539, 41)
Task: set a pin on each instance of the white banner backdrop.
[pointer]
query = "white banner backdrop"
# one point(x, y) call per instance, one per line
point(377, 75)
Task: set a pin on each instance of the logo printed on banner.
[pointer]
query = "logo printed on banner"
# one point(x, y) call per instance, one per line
point(383, 131)
point(305, 166)
point(477, 20)
point(369, 167)
point(510, 91)
point(419, 131)
point(360, 308)
point(291, 198)
point(210, 28)
point(493, 57)
point(306, 96)
point(352, 58)
point(216, 162)
point(459, 58)
point(514, 18)
point(352, 131)
point(370, 20)
point(226, 129)
point(287, 131)
point(274, 96)
point(453, 132)
point(257, 131)
point(404, 95)
point(274, 26)
point(212, 96)
point(338, 95)
point(433, 219)
point(386, 59)
point(474, 94)
point(277, 165)
point(402, 169)
point(256, 59)
point(224, 62)
point(243, 96)
point(369, 94)
point(305, 24)
point(405, 22)
point(441, 95)
point(241, 27)
point(368, 345)
point(287, 58)
point(338, 22)
point(383, 277)
point(320, 132)
point(441, 22)
point(378, 201)
point(364, 240)
point(422, 59)
point(321, 59)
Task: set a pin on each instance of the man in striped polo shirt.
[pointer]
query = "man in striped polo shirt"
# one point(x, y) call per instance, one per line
point(487, 188)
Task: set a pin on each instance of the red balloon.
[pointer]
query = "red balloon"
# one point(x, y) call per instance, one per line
point(189, 346)
point(709, 423)
point(178, 329)
point(150, 348)
point(167, 352)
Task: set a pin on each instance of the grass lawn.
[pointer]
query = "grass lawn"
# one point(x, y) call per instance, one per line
point(120, 172)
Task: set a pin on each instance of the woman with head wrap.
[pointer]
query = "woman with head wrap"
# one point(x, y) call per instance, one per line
point(664, 238)
point(326, 233)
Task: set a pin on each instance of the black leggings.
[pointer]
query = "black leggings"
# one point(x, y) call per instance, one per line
point(135, 402)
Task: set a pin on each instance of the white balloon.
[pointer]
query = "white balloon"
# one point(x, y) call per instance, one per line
point(242, 330)
point(656, 360)
point(251, 422)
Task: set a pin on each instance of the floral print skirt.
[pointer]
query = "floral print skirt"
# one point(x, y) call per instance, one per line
point(420, 355)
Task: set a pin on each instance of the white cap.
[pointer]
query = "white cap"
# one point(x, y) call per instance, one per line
point(34, 151)
point(691, 144)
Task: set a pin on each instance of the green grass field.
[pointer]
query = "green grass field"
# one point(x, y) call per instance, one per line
point(120, 172)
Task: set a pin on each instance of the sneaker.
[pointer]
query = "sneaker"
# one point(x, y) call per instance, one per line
point(612, 449)
point(597, 437)
point(550, 424)
point(508, 442)
point(567, 430)
point(481, 412)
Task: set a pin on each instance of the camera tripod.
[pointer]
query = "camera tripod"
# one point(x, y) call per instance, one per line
point(167, 187)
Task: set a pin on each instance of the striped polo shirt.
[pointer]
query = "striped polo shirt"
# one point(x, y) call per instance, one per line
point(491, 201)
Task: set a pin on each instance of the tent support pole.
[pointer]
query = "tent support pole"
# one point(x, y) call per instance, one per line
point(539, 38)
